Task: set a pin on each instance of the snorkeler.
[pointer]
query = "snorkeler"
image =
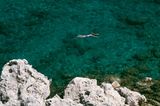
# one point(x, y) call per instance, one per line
point(89, 35)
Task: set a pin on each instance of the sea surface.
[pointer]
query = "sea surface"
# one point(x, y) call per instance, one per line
point(45, 33)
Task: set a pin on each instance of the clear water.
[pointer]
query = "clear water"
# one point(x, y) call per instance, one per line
point(44, 32)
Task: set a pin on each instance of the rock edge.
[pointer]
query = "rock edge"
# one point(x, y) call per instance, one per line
point(22, 85)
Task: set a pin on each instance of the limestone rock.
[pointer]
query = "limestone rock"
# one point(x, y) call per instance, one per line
point(115, 84)
point(132, 98)
point(21, 85)
point(112, 95)
point(145, 83)
point(87, 92)
point(57, 101)
point(148, 79)
point(78, 85)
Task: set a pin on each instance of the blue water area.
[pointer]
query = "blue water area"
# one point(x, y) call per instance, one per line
point(44, 32)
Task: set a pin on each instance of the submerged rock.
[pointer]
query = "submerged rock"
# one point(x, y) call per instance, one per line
point(147, 82)
point(21, 85)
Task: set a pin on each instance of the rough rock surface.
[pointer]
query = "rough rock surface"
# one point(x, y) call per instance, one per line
point(87, 92)
point(21, 85)
point(57, 101)
point(132, 98)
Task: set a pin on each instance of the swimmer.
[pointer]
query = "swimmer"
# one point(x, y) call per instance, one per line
point(89, 35)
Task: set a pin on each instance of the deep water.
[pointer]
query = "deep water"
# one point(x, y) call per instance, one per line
point(44, 32)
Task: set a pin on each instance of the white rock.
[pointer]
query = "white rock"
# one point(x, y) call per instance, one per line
point(23, 85)
point(148, 79)
point(111, 93)
point(77, 85)
point(115, 84)
point(57, 101)
point(87, 92)
point(132, 98)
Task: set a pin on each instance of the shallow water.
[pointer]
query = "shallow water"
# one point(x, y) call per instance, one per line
point(44, 32)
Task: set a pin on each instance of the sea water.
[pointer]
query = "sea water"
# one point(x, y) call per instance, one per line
point(45, 33)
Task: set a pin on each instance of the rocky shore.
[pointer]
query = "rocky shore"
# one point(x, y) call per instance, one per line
point(22, 85)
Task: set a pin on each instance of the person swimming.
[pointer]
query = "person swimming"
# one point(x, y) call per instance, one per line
point(89, 35)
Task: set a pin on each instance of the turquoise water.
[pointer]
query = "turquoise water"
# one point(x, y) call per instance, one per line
point(44, 32)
